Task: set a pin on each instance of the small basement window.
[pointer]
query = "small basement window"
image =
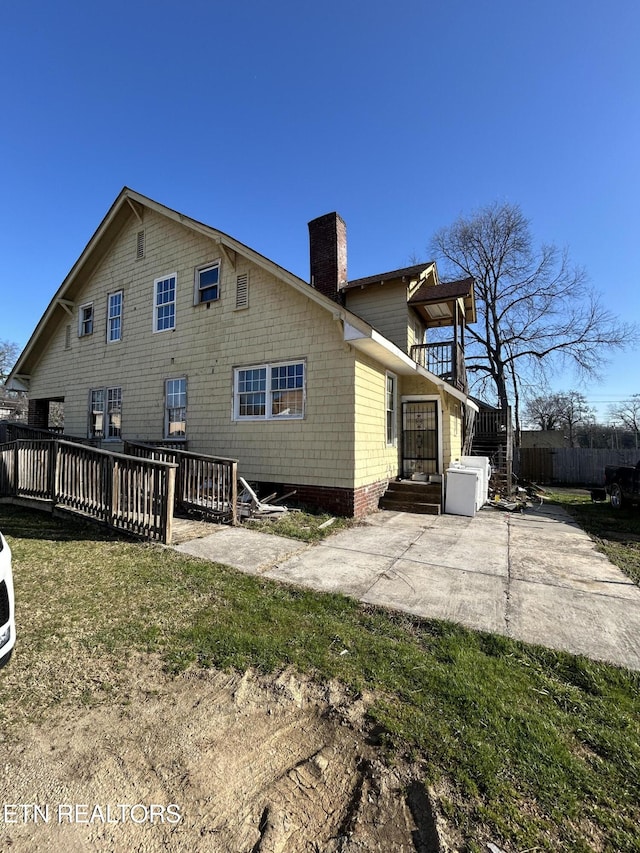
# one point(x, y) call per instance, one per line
point(207, 285)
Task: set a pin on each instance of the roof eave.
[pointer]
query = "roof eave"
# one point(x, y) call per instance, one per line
point(366, 339)
point(127, 200)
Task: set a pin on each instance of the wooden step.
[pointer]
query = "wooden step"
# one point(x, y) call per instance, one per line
point(413, 496)
point(414, 487)
point(414, 506)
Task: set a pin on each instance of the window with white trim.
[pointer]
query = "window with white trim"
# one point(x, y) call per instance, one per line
point(175, 408)
point(105, 413)
point(113, 426)
point(164, 303)
point(391, 407)
point(96, 413)
point(85, 320)
point(114, 317)
point(207, 283)
point(270, 391)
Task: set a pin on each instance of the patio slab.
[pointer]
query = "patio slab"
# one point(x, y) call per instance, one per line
point(534, 576)
point(439, 592)
point(329, 569)
point(598, 626)
point(247, 550)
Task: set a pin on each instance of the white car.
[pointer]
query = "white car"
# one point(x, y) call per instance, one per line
point(7, 607)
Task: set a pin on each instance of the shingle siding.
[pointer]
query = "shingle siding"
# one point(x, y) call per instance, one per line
point(385, 308)
point(337, 454)
point(207, 343)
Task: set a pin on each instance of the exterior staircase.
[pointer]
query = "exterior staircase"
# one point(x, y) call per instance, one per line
point(413, 496)
point(493, 437)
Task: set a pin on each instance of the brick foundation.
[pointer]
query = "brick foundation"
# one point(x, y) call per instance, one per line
point(352, 503)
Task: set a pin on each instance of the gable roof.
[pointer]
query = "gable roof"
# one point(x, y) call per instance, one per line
point(427, 295)
point(449, 290)
point(131, 203)
point(406, 273)
point(430, 291)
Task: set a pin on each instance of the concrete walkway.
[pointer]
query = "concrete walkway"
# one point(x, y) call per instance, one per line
point(534, 576)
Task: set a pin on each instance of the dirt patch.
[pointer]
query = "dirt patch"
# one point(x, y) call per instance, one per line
point(209, 761)
point(186, 529)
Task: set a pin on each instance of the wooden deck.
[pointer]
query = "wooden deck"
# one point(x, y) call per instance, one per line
point(136, 492)
point(124, 493)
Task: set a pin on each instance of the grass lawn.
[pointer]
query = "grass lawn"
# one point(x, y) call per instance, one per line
point(530, 748)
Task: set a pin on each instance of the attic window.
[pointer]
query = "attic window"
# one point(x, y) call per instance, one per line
point(207, 287)
point(140, 245)
point(242, 291)
point(85, 320)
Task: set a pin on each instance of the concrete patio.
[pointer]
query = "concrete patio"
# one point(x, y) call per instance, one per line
point(534, 576)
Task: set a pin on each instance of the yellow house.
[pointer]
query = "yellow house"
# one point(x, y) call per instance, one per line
point(168, 330)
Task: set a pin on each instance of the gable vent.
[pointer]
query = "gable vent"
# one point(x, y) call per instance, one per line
point(67, 337)
point(242, 290)
point(140, 245)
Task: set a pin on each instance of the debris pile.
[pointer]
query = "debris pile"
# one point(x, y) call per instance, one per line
point(250, 505)
point(520, 497)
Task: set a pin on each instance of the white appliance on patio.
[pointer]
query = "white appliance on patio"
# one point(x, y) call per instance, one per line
point(461, 490)
point(484, 467)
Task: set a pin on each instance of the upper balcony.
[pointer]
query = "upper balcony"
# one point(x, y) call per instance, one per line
point(445, 359)
point(405, 305)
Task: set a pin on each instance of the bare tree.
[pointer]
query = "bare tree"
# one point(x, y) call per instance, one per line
point(628, 413)
point(544, 410)
point(14, 401)
point(535, 309)
point(575, 412)
point(8, 355)
point(565, 410)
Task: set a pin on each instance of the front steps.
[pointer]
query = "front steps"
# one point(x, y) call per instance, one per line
point(413, 496)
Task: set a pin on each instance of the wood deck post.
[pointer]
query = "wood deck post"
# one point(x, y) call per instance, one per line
point(16, 466)
point(234, 493)
point(53, 467)
point(113, 491)
point(169, 504)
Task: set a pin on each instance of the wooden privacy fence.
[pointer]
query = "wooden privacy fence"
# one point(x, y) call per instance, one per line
point(570, 465)
point(127, 493)
point(206, 484)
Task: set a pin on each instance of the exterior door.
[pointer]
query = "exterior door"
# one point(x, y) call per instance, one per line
point(420, 437)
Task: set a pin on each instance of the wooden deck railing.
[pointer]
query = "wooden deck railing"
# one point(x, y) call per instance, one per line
point(445, 359)
point(206, 484)
point(493, 422)
point(127, 493)
point(15, 431)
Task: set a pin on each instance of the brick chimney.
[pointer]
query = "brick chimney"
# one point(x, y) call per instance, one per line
point(328, 255)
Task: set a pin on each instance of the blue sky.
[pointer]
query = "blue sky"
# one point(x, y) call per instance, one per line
point(256, 117)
